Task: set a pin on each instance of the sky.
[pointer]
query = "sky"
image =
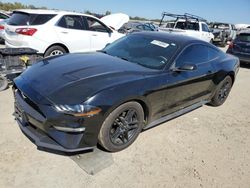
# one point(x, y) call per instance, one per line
point(232, 11)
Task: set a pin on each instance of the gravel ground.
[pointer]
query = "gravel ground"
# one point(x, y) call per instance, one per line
point(208, 147)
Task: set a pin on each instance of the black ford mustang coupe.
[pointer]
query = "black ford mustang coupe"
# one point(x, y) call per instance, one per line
point(72, 102)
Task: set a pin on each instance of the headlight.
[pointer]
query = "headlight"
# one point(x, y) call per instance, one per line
point(78, 110)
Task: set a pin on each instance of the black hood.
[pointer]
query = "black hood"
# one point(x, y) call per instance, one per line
point(74, 78)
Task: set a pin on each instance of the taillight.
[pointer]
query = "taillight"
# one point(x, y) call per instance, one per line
point(26, 31)
point(231, 45)
point(1, 27)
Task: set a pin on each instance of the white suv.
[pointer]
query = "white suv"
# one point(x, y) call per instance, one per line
point(53, 32)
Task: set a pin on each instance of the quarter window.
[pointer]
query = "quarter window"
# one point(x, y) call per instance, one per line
point(71, 22)
point(95, 25)
point(196, 54)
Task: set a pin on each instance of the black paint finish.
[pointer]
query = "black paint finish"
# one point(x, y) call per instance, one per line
point(105, 81)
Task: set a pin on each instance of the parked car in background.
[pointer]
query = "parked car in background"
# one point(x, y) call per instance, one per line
point(220, 37)
point(240, 47)
point(189, 25)
point(3, 15)
point(135, 83)
point(3, 18)
point(223, 32)
point(2, 26)
point(53, 32)
point(131, 27)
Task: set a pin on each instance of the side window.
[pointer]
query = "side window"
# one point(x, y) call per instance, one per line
point(193, 54)
point(95, 25)
point(147, 28)
point(212, 53)
point(71, 22)
point(204, 28)
point(41, 19)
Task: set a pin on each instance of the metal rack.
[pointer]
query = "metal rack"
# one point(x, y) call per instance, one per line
point(186, 16)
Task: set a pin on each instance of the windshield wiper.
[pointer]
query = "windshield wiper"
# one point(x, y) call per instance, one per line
point(123, 58)
point(102, 51)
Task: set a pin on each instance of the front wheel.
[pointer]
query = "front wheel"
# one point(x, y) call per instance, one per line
point(222, 92)
point(121, 127)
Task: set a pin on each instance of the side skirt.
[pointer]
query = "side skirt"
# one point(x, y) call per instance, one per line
point(175, 114)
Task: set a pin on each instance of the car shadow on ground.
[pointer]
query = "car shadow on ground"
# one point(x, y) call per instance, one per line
point(244, 65)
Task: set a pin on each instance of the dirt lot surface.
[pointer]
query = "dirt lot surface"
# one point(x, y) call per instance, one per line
point(209, 147)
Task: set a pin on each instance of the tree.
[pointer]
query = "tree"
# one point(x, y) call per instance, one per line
point(16, 5)
point(108, 12)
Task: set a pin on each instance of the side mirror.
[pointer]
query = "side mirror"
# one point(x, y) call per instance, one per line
point(110, 30)
point(185, 67)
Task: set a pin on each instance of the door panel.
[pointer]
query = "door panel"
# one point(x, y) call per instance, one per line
point(72, 32)
point(99, 33)
point(99, 40)
point(188, 87)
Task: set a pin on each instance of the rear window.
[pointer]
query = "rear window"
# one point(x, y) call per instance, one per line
point(188, 25)
point(19, 18)
point(244, 37)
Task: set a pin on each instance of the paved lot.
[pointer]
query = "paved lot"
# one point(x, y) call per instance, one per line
point(208, 147)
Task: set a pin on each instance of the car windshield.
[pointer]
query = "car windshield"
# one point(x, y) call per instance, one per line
point(143, 50)
point(244, 37)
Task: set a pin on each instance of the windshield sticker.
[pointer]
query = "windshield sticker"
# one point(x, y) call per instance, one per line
point(160, 43)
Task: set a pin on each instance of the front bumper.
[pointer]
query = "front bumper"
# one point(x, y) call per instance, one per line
point(38, 122)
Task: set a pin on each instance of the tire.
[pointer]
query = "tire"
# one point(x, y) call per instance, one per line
point(55, 50)
point(223, 42)
point(121, 128)
point(3, 83)
point(222, 91)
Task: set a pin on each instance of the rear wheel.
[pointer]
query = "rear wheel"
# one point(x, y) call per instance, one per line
point(121, 127)
point(222, 92)
point(3, 83)
point(55, 50)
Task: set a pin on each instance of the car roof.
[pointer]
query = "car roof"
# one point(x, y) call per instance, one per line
point(180, 40)
point(45, 11)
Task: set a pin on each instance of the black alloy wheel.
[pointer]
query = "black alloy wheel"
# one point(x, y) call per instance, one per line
point(222, 92)
point(124, 127)
point(121, 127)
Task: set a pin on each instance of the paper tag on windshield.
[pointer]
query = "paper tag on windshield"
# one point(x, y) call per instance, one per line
point(160, 43)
